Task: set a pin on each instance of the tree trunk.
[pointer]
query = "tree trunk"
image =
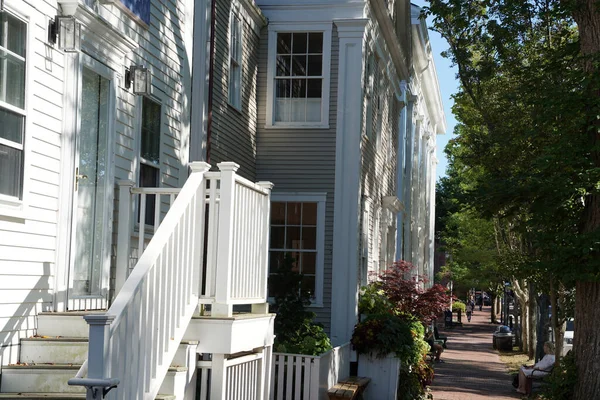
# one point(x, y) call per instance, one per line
point(587, 297)
point(587, 340)
point(557, 325)
point(493, 309)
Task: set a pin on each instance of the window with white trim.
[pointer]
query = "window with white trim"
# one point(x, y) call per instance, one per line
point(150, 153)
point(235, 61)
point(13, 39)
point(298, 76)
point(297, 230)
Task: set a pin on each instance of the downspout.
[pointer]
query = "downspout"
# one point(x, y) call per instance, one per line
point(213, 14)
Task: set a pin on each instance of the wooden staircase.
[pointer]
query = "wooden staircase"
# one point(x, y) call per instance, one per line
point(48, 360)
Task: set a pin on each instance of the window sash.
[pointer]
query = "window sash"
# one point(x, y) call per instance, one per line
point(13, 73)
point(235, 60)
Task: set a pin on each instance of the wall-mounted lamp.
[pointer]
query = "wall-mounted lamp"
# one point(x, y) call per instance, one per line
point(139, 77)
point(67, 31)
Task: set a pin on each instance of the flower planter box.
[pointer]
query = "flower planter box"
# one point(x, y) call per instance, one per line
point(384, 376)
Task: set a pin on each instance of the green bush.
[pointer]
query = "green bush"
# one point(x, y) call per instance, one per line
point(294, 327)
point(459, 305)
point(562, 380)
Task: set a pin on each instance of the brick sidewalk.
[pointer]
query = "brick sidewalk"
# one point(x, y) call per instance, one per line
point(472, 369)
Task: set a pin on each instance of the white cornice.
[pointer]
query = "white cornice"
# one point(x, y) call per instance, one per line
point(388, 31)
point(94, 24)
point(310, 10)
point(425, 72)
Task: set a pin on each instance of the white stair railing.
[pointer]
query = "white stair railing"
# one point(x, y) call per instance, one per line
point(135, 341)
point(238, 235)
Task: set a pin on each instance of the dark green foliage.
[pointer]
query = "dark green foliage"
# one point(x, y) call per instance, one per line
point(295, 332)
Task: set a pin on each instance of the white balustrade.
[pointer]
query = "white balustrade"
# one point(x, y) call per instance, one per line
point(135, 341)
point(303, 377)
point(238, 234)
point(239, 378)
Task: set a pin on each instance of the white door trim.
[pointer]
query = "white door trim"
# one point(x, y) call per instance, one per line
point(74, 65)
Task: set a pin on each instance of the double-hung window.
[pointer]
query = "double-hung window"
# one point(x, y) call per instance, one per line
point(235, 61)
point(13, 39)
point(298, 76)
point(297, 232)
point(150, 153)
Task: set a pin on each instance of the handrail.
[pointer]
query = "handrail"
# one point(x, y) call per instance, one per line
point(147, 320)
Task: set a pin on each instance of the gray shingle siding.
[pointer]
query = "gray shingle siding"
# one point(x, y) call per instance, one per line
point(233, 135)
point(301, 160)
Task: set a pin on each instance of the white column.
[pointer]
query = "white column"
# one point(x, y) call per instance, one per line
point(344, 302)
point(401, 181)
point(408, 181)
point(123, 234)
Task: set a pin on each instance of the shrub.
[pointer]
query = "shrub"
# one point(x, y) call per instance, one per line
point(459, 305)
point(562, 380)
point(294, 327)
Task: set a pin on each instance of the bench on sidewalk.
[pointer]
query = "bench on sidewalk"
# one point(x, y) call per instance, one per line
point(349, 388)
point(539, 377)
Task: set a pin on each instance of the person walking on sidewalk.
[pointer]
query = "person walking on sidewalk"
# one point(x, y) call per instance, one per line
point(469, 311)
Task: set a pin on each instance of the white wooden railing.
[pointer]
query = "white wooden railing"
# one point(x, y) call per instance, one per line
point(302, 377)
point(239, 378)
point(238, 234)
point(135, 341)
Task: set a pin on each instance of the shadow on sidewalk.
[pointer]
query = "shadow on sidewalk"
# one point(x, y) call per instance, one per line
point(472, 370)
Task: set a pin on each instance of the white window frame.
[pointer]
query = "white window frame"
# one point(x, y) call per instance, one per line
point(142, 160)
point(234, 98)
point(12, 206)
point(293, 27)
point(320, 199)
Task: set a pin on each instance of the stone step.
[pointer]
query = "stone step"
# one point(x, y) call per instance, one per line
point(67, 324)
point(63, 350)
point(52, 350)
point(46, 378)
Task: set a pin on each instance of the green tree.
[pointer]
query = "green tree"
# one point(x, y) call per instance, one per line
point(528, 107)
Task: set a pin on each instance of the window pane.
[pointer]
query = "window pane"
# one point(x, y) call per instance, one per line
point(150, 146)
point(299, 65)
point(309, 263)
point(283, 65)
point(315, 65)
point(277, 213)
point(12, 80)
point(299, 42)
point(308, 284)
point(299, 88)
point(294, 211)
point(292, 238)
point(275, 260)
point(12, 126)
point(277, 237)
point(314, 88)
point(11, 176)
point(315, 42)
point(283, 88)
point(149, 177)
point(309, 238)
point(309, 214)
point(284, 43)
point(13, 34)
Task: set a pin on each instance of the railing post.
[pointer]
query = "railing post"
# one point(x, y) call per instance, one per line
point(264, 275)
point(198, 228)
point(222, 306)
point(218, 381)
point(123, 234)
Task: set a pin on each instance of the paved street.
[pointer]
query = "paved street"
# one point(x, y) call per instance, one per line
point(472, 369)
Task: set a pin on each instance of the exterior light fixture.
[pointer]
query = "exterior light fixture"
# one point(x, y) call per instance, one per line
point(139, 77)
point(67, 32)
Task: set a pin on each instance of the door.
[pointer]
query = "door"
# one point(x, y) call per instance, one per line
point(92, 193)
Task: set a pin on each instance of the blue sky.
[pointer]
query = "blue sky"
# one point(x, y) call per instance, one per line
point(448, 86)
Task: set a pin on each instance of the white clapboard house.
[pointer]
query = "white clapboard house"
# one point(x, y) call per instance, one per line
point(99, 119)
